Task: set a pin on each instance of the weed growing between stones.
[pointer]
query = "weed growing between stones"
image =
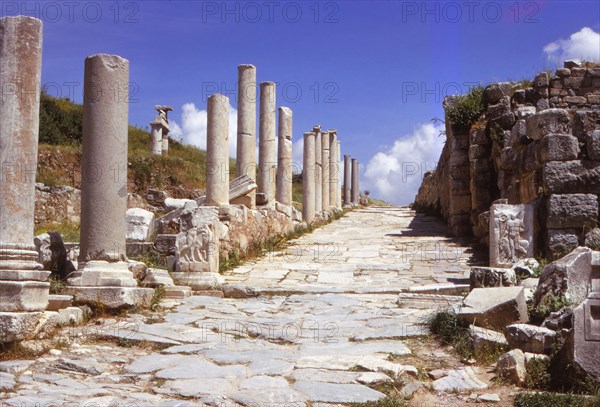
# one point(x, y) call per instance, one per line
point(551, 303)
point(453, 331)
point(157, 297)
point(384, 402)
point(546, 399)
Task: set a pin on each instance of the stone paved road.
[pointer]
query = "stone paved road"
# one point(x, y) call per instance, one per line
point(332, 317)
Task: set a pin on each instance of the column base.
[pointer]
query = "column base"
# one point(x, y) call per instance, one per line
point(99, 273)
point(23, 296)
point(199, 281)
point(111, 298)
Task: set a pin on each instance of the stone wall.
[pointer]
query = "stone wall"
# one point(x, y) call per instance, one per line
point(57, 204)
point(537, 144)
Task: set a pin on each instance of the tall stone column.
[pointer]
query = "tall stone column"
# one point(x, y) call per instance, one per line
point(165, 144)
point(347, 180)
point(284, 158)
point(157, 138)
point(217, 151)
point(23, 286)
point(246, 126)
point(338, 187)
point(318, 170)
point(267, 150)
point(103, 276)
point(355, 180)
point(333, 168)
point(308, 178)
point(325, 140)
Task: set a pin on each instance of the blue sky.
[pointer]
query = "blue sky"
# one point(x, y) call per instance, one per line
point(371, 62)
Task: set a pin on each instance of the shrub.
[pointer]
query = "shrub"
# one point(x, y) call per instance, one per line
point(466, 109)
point(61, 121)
point(538, 374)
point(452, 330)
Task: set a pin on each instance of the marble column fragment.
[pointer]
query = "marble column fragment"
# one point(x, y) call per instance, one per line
point(308, 178)
point(217, 151)
point(246, 126)
point(23, 286)
point(325, 140)
point(267, 149)
point(103, 276)
point(284, 158)
point(347, 179)
point(157, 138)
point(338, 186)
point(318, 170)
point(333, 168)
point(355, 182)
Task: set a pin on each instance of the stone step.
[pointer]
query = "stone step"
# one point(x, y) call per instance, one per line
point(177, 292)
point(208, 293)
point(58, 302)
point(437, 288)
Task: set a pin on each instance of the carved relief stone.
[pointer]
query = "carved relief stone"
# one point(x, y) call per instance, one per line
point(511, 234)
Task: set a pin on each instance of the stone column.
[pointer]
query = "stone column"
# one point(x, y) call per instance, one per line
point(333, 168)
point(23, 286)
point(246, 126)
point(318, 170)
point(355, 184)
point(308, 178)
point(157, 138)
point(284, 158)
point(338, 185)
point(267, 150)
point(325, 140)
point(103, 276)
point(347, 179)
point(165, 143)
point(217, 151)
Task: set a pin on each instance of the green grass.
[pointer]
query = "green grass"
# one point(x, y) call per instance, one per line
point(68, 231)
point(384, 402)
point(546, 399)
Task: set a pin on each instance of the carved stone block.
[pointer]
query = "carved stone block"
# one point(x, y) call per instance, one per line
point(511, 234)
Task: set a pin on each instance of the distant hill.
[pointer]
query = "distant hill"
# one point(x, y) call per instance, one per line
point(181, 173)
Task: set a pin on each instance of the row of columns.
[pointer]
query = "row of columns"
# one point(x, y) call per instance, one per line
point(103, 275)
point(274, 170)
point(321, 182)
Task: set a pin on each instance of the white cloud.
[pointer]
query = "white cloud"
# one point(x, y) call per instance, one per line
point(395, 175)
point(193, 127)
point(584, 44)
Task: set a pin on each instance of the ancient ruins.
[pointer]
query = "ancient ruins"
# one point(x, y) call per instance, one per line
point(192, 237)
point(242, 295)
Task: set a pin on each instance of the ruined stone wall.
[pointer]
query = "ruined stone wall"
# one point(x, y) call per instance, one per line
point(57, 204)
point(537, 144)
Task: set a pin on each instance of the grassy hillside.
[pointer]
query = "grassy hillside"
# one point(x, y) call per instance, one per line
point(181, 173)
